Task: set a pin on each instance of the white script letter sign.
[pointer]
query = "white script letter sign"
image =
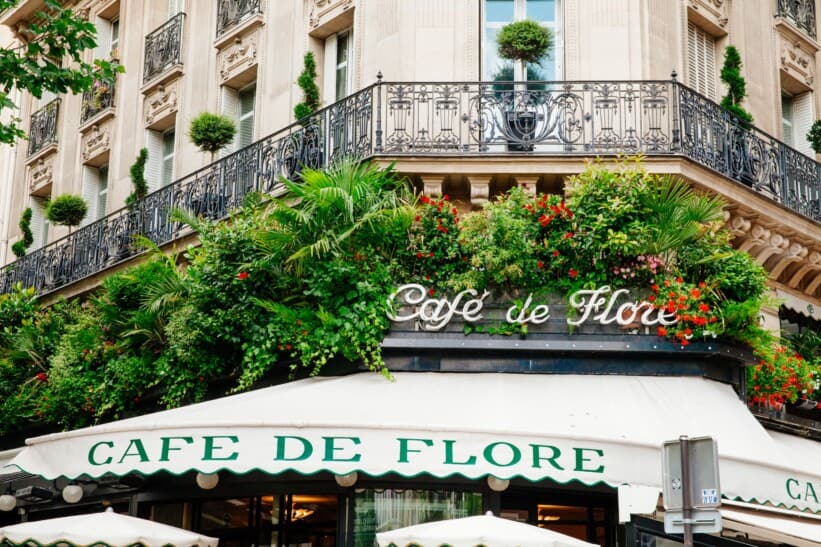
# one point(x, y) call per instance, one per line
point(435, 313)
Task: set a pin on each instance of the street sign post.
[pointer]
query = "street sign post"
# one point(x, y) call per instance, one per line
point(690, 487)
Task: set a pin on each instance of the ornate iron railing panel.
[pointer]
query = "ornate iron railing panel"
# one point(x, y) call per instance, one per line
point(163, 48)
point(342, 129)
point(446, 119)
point(546, 117)
point(232, 12)
point(800, 12)
point(43, 127)
point(97, 99)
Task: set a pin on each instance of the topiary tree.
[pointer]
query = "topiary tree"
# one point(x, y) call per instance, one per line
point(736, 86)
point(19, 248)
point(310, 91)
point(524, 42)
point(138, 182)
point(814, 136)
point(67, 209)
point(212, 132)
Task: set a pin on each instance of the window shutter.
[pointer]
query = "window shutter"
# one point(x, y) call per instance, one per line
point(39, 230)
point(329, 71)
point(701, 61)
point(803, 117)
point(153, 167)
point(246, 116)
point(90, 190)
point(174, 7)
point(168, 146)
point(103, 49)
point(230, 107)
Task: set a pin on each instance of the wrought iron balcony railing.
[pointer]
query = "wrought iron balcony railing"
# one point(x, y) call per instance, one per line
point(232, 12)
point(96, 100)
point(163, 48)
point(800, 12)
point(654, 118)
point(43, 127)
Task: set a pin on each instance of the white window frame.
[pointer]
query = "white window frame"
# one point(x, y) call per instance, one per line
point(331, 66)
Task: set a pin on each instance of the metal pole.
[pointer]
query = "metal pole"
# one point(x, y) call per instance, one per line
point(686, 502)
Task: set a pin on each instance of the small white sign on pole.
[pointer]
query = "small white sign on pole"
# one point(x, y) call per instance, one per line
point(701, 481)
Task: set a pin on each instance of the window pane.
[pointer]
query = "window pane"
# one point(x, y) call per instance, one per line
point(499, 11)
point(388, 509)
point(246, 116)
point(342, 49)
point(541, 10)
point(168, 157)
point(102, 194)
point(786, 119)
point(341, 82)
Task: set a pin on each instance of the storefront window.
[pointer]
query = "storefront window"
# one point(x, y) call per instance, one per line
point(383, 510)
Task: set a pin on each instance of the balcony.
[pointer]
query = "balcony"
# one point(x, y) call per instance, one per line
point(96, 100)
point(163, 48)
point(43, 127)
point(800, 13)
point(231, 13)
point(512, 124)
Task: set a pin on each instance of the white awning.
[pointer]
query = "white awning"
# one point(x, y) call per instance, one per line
point(589, 429)
point(795, 529)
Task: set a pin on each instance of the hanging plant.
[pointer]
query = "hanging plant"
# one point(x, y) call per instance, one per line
point(212, 132)
point(67, 210)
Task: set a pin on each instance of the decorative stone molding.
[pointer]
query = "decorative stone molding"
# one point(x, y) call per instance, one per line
point(479, 189)
point(527, 183)
point(161, 103)
point(432, 184)
point(323, 11)
point(796, 57)
point(96, 141)
point(238, 56)
point(710, 13)
point(41, 175)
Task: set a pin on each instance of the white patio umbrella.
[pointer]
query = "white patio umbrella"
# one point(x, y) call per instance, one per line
point(485, 530)
point(108, 527)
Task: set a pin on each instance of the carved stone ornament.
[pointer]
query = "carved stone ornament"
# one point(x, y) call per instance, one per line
point(797, 62)
point(96, 140)
point(321, 8)
point(238, 56)
point(161, 102)
point(41, 173)
point(714, 11)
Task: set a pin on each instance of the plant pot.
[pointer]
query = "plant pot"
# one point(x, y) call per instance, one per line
point(520, 128)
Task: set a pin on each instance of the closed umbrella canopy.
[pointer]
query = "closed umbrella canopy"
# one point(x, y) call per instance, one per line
point(486, 530)
point(108, 528)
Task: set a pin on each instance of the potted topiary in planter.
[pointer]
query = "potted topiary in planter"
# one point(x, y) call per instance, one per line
point(814, 136)
point(522, 42)
point(67, 209)
point(212, 132)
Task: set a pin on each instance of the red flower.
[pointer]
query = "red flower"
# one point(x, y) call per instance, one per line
point(695, 293)
point(556, 253)
point(662, 331)
point(702, 284)
point(540, 264)
point(420, 255)
point(651, 298)
point(445, 197)
point(704, 307)
point(679, 280)
point(41, 376)
point(431, 292)
point(417, 218)
point(424, 199)
point(685, 342)
point(572, 273)
point(242, 276)
point(288, 347)
point(654, 287)
point(568, 235)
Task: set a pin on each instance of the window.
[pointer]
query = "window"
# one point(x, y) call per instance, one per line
point(159, 169)
point(239, 106)
point(497, 13)
point(39, 224)
point(115, 38)
point(701, 61)
point(337, 82)
point(796, 119)
point(95, 192)
point(108, 38)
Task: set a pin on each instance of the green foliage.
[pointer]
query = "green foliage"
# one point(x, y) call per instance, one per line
point(310, 92)
point(814, 136)
point(212, 132)
point(67, 209)
point(52, 59)
point(19, 247)
point(736, 86)
point(138, 182)
point(526, 41)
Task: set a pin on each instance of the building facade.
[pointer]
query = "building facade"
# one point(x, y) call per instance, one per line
point(412, 83)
